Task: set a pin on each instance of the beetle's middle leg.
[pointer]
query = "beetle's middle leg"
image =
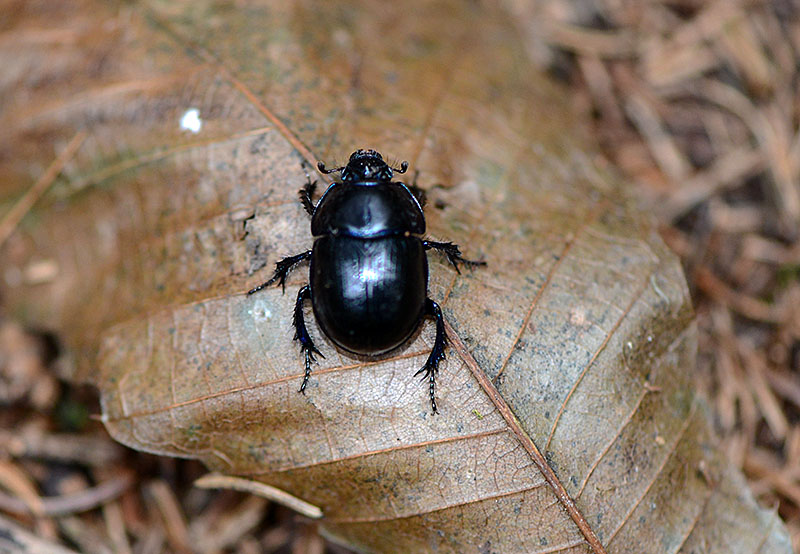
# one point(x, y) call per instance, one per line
point(301, 335)
point(431, 367)
point(453, 253)
point(282, 269)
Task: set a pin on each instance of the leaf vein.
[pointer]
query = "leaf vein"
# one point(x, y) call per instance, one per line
point(380, 451)
point(767, 534)
point(237, 390)
point(525, 440)
point(625, 422)
point(591, 361)
point(154, 156)
point(711, 492)
point(667, 455)
point(535, 301)
point(374, 519)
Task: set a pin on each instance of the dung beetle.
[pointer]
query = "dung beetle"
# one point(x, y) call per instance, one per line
point(369, 267)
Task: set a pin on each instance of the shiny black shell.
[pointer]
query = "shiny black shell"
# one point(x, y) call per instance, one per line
point(368, 294)
point(369, 270)
point(368, 210)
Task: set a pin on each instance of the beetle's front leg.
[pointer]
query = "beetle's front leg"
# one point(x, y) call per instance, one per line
point(301, 335)
point(452, 252)
point(431, 367)
point(419, 194)
point(282, 269)
point(307, 196)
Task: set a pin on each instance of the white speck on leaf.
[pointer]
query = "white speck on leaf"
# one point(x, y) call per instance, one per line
point(190, 120)
point(260, 311)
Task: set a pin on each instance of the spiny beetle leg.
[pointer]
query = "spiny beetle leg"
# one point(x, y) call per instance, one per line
point(307, 194)
point(453, 253)
point(282, 269)
point(431, 367)
point(301, 335)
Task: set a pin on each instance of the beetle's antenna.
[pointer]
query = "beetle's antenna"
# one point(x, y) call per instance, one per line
point(403, 167)
point(323, 169)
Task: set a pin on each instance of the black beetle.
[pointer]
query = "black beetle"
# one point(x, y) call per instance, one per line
point(369, 269)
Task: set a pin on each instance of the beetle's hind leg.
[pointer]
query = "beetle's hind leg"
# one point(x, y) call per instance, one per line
point(301, 335)
point(431, 367)
point(453, 253)
point(282, 269)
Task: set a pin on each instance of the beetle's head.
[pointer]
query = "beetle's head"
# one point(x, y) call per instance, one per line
point(365, 165)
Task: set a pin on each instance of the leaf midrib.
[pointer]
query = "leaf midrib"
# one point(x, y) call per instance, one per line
point(525, 440)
